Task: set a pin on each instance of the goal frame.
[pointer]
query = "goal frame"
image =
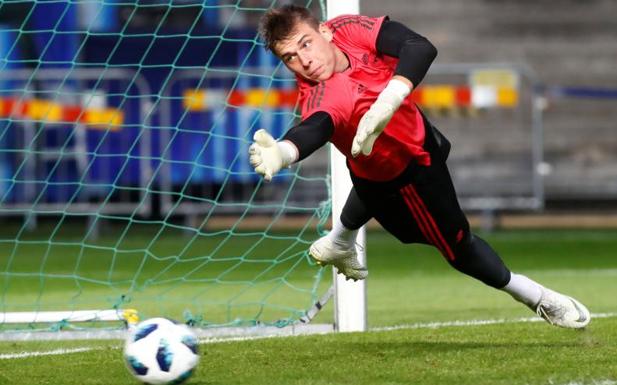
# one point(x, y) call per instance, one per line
point(350, 299)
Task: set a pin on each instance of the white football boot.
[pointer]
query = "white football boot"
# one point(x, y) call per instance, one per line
point(561, 310)
point(325, 252)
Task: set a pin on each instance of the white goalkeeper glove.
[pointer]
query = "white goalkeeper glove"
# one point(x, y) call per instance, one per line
point(377, 117)
point(267, 156)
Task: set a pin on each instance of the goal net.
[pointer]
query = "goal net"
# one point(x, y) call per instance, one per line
point(124, 174)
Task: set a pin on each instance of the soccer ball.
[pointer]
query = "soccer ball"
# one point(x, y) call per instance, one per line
point(161, 351)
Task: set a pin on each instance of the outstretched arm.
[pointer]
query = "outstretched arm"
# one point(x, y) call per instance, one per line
point(415, 52)
point(415, 55)
point(311, 134)
point(268, 156)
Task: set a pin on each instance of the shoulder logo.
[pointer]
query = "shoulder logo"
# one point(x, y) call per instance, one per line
point(365, 59)
point(362, 21)
point(361, 88)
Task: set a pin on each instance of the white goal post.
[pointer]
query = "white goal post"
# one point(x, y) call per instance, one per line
point(349, 296)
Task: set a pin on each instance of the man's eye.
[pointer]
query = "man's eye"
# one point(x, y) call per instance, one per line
point(290, 58)
point(306, 44)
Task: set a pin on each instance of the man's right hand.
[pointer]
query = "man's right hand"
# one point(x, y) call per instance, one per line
point(379, 114)
point(265, 155)
point(370, 127)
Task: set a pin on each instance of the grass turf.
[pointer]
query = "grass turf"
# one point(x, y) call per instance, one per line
point(407, 285)
point(517, 353)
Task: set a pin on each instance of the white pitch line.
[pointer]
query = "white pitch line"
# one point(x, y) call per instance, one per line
point(11, 356)
point(573, 272)
point(422, 325)
point(437, 325)
point(216, 340)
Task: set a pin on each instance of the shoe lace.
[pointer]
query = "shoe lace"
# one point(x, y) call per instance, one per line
point(550, 311)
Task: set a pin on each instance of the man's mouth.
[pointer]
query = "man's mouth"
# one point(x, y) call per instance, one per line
point(316, 72)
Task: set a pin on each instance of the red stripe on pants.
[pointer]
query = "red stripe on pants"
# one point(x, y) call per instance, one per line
point(420, 220)
point(441, 244)
point(446, 247)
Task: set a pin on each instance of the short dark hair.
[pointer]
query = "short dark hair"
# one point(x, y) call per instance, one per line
point(278, 23)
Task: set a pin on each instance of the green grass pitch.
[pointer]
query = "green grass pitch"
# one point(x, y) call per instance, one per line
point(409, 287)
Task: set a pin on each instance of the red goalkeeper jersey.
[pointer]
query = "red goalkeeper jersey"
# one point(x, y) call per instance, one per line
point(347, 95)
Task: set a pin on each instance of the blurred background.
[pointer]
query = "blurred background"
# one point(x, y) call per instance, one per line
point(145, 108)
point(131, 107)
point(571, 48)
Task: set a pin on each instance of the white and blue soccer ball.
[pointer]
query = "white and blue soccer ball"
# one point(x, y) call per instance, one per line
point(161, 351)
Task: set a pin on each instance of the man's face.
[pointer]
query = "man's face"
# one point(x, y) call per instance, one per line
point(308, 52)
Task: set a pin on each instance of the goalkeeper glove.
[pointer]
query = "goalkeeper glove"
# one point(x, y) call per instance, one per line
point(377, 117)
point(267, 156)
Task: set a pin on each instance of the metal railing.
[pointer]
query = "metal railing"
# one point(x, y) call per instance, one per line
point(63, 165)
point(201, 163)
point(497, 152)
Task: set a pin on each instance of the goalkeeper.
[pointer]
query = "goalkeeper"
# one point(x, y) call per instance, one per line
point(354, 75)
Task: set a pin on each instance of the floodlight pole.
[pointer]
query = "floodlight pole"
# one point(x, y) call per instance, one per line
point(349, 296)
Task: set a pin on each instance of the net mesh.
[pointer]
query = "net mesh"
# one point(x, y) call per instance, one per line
point(124, 174)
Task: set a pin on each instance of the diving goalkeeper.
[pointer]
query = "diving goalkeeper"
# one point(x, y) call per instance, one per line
point(354, 75)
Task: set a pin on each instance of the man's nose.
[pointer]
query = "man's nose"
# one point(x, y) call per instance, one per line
point(304, 60)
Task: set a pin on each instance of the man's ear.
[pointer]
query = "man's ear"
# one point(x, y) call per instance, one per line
point(325, 31)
